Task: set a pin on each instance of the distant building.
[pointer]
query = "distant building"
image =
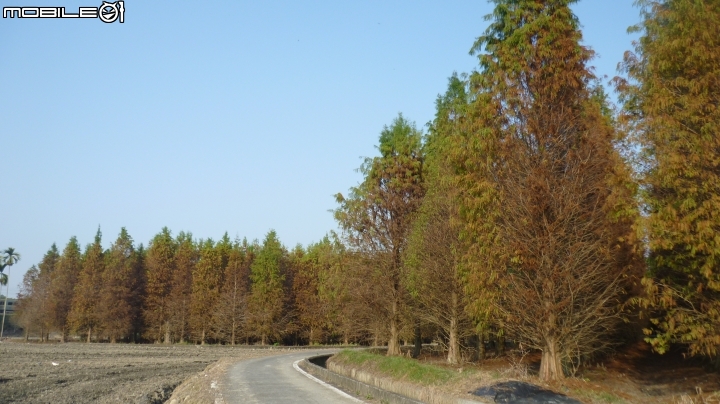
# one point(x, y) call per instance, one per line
point(11, 328)
point(11, 303)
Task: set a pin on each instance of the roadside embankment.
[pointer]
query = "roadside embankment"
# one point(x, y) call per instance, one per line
point(391, 380)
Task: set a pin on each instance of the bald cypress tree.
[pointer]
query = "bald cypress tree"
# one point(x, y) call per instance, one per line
point(546, 202)
point(230, 316)
point(267, 294)
point(160, 266)
point(377, 216)
point(62, 284)
point(206, 284)
point(84, 316)
point(179, 299)
point(117, 307)
point(672, 106)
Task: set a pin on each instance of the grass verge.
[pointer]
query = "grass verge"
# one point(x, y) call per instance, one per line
point(399, 367)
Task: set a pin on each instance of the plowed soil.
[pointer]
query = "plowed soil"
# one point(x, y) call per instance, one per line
point(105, 373)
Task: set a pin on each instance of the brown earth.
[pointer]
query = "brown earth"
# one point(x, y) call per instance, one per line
point(104, 373)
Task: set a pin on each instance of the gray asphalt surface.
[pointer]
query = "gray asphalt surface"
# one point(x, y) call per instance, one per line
point(275, 380)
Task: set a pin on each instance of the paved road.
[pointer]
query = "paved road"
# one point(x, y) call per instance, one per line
point(275, 380)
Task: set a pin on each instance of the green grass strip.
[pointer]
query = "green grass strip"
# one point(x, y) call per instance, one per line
point(399, 367)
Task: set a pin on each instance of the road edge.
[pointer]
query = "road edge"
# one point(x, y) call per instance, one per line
point(347, 384)
point(322, 383)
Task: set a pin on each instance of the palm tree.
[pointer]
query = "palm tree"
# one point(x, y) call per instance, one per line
point(3, 277)
point(9, 259)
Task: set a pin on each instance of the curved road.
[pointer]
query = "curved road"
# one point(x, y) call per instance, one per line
point(275, 380)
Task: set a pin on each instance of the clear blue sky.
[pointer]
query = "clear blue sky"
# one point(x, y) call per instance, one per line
point(237, 116)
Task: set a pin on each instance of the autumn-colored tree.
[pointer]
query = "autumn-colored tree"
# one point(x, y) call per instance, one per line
point(671, 103)
point(179, 299)
point(84, 315)
point(27, 313)
point(230, 316)
point(62, 283)
point(116, 309)
point(42, 291)
point(336, 287)
point(311, 307)
point(377, 218)
point(433, 257)
point(206, 283)
point(267, 304)
point(546, 200)
point(160, 266)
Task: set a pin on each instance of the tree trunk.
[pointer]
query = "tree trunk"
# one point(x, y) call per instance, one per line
point(89, 333)
point(262, 340)
point(481, 344)
point(453, 343)
point(167, 331)
point(202, 338)
point(393, 346)
point(418, 341)
point(500, 344)
point(550, 364)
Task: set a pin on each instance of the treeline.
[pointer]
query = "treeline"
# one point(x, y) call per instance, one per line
point(531, 209)
point(184, 290)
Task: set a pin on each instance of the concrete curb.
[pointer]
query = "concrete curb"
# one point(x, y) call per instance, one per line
point(353, 386)
point(362, 388)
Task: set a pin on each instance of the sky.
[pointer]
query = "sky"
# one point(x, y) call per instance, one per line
point(223, 116)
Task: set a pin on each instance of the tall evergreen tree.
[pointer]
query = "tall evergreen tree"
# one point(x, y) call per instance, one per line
point(179, 299)
point(311, 305)
point(230, 315)
point(84, 311)
point(62, 286)
point(547, 207)
point(377, 217)
point(267, 296)
point(116, 305)
point(40, 296)
point(206, 283)
point(160, 266)
point(671, 104)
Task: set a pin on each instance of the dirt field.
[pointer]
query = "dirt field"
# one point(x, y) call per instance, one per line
point(105, 373)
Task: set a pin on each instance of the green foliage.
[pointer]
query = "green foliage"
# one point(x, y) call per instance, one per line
point(8, 258)
point(377, 218)
point(268, 314)
point(671, 107)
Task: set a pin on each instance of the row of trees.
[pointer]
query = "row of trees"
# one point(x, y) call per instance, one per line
point(180, 289)
point(531, 210)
